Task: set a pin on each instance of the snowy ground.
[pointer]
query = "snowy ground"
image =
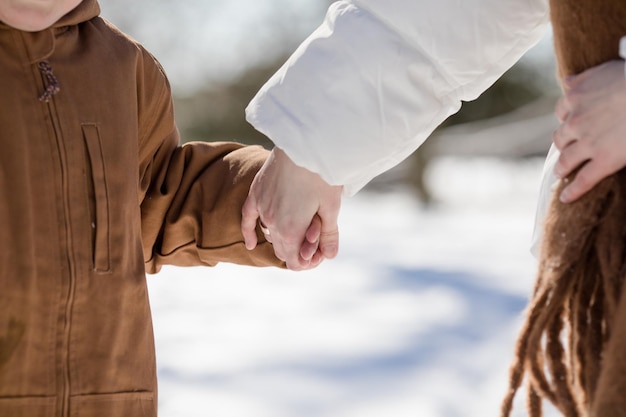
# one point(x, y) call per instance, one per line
point(417, 316)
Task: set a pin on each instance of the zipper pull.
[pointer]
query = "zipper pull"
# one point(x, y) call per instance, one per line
point(52, 83)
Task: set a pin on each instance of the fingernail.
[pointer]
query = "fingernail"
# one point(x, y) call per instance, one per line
point(564, 197)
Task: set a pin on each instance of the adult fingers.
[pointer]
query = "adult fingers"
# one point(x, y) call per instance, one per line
point(588, 176)
point(564, 135)
point(249, 217)
point(312, 234)
point(562, 109)
point(288, 242)
point(591, 173)
point(316, 259)
point(571, 158)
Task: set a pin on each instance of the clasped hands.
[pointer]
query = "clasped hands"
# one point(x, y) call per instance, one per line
point(297, 211)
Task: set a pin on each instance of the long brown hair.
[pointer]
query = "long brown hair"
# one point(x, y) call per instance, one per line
point(570, 317)
point(570, 328)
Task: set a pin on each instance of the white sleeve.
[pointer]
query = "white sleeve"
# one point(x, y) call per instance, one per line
point(378, 76)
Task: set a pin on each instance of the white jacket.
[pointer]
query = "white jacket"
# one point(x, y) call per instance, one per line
point(378, 76)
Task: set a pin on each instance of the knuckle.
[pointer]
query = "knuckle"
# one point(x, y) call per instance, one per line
point(330, 234)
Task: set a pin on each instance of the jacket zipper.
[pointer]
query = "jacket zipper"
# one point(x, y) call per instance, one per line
point(69, 297)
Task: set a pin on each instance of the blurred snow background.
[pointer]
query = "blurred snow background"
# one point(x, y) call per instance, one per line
point(419, 313)
point(416, 317)
point(200, 40)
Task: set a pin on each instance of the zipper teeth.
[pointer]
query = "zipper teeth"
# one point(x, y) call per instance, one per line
point(69, 301)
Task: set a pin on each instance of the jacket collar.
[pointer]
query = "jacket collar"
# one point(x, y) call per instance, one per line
point(86, 10)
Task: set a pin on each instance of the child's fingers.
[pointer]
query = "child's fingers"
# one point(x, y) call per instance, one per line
point(315, 229)
point(322, 240)
point(249, 217)
point(307, 251)
point(316, 259)
point(312, 239)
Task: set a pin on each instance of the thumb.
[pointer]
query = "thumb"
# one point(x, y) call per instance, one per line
point(329, 237)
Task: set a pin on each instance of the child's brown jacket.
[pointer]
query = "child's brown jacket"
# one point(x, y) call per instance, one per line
point(93, 191)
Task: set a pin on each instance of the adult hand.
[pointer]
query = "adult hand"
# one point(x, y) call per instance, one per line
point(592, 113)
point(298, 209)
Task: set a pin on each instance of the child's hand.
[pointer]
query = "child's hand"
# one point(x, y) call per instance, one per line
point(593, 127)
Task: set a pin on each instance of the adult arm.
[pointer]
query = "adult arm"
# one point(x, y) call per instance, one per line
point(376, 78)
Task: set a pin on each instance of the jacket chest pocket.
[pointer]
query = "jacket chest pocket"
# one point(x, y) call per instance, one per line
point(98, 192)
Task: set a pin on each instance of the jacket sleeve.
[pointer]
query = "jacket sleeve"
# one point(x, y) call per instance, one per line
point(378, 76)
point(191, 196)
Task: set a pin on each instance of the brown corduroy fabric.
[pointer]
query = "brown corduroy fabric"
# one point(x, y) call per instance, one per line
point(571, 347)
